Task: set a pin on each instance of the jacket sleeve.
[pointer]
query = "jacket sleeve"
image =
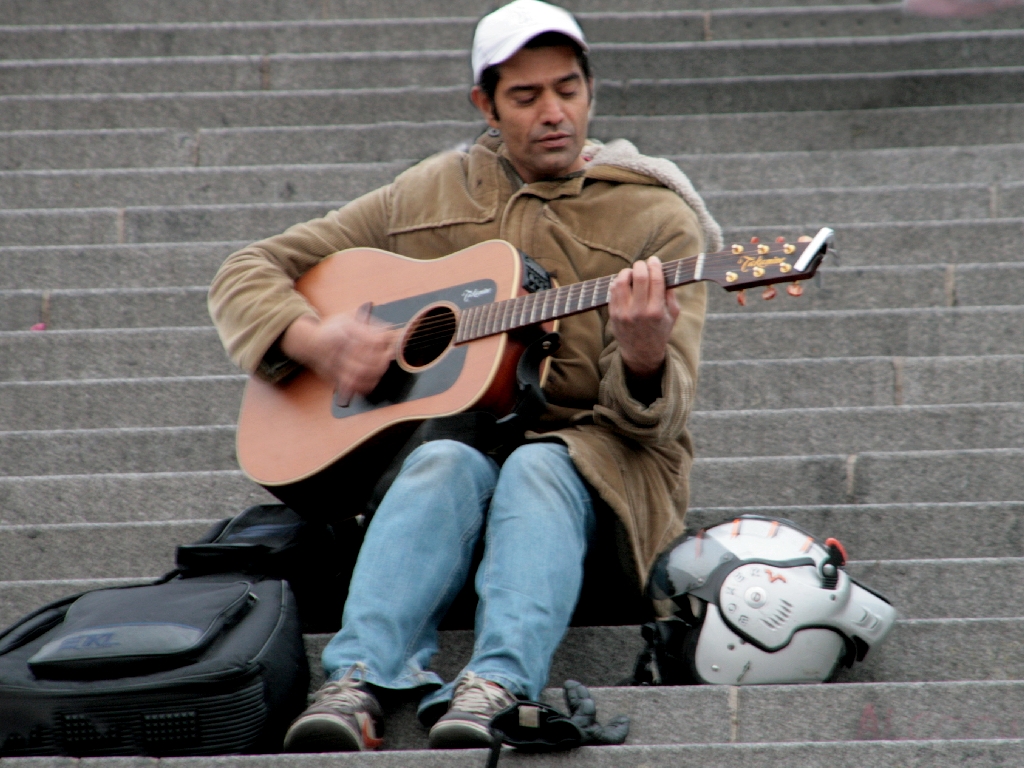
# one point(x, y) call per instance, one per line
point(253, 300)
point(665, 418)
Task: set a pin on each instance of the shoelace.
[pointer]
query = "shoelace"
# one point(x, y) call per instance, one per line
point(480, 697)
point(345, 691)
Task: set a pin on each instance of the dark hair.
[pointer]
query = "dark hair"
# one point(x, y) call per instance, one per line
point(490, 76)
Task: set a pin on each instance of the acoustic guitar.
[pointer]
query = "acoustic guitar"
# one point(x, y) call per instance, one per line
point(457, 351)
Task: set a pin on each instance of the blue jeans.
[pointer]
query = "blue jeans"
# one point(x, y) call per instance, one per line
point(536, 519)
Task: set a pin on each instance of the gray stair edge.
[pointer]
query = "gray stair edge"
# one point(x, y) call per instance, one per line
point(853, 754)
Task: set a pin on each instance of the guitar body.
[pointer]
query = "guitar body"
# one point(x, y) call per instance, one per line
point(296, 439)
point(322, 453)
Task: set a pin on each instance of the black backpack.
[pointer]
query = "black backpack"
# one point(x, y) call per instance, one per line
point(205, 665)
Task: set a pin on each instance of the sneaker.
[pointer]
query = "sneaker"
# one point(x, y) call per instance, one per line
point(343, 717)
point(468, 721)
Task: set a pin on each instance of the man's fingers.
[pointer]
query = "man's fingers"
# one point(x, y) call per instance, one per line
point(657, 276)
point(641, 284)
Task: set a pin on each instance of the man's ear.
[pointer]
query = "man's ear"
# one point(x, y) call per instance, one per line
point(482, 102)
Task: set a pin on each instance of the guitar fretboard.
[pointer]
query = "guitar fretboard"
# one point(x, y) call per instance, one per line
point(503, 316)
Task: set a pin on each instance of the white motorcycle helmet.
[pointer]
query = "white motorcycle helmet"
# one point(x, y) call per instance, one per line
point(757, 600)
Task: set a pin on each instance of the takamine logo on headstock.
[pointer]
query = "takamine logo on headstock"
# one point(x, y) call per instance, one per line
point(746, 266)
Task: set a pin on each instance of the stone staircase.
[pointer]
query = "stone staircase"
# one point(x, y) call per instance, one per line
point(143, 141)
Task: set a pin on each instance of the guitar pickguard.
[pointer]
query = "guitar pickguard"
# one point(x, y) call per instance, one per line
point(401, 386)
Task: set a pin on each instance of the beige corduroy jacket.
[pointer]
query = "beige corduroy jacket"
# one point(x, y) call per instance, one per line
point(636, 456)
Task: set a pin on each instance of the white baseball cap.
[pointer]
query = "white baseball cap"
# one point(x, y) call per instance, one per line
point(500, 34)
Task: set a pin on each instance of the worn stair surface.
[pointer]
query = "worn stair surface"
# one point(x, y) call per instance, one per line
point(142, 141)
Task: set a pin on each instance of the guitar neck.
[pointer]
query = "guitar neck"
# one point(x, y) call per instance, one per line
point(542, 306)
point(739, 267)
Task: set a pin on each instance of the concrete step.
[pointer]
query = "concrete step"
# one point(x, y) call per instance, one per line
point(126, 353)
point(851, 382)
point(976, 588)
point(93, 550)
point(612, 61)
point(855, 333)
point(270, 37)
point(897, 531)
point(935, 244)
point(852, 474)
point(132, 148)
point(104, 308)
point(724, 386)
point(889, 203)
point(167, 402)
point(795, 209)
point(717, 434)
point(666, 135)
point(122, 497)
point(234, 109)
point(954, 241)
point(149, 352)
point(966, 533)
point(86, 452)
point(24, 12)
point(881, 477)
point(165, 225)
point(811, 431)
point(87, 267)
point(937, 753)
point(784, 93)
point(986, 165)
point(836, 289)
point(193, 186)
point(968, 285)
point(866, 478)
point(747, 130)
point(991, 164)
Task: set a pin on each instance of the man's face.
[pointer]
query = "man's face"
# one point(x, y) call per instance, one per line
point(543, 105)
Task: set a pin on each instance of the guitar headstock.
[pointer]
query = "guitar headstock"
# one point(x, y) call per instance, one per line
point(757, 263)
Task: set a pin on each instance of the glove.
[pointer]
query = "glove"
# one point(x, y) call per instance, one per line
point(531, 726)
point(583, 714)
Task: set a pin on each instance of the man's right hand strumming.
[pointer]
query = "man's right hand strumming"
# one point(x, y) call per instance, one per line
point(351, 352)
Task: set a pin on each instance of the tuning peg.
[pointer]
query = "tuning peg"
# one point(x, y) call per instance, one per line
point(741, 298)
point(780, 240)
point(795, 289)
point(755, 240)
point(769, 293)
point(803, 239)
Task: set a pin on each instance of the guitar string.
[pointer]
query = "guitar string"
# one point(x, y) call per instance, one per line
point(574, 297)
point(522, 310)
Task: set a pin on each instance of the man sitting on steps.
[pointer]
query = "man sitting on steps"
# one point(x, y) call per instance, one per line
point(619, 389)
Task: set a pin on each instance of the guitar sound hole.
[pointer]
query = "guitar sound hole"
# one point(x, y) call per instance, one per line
point(428, 336)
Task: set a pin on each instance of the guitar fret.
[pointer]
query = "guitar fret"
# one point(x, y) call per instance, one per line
point(545, 307)
point(534, 308)
point(698, 270)
point(505, 321)
point(481, 326)
point(488, 311)
point(517, 314)
point(464, 324)
point(477, 316)
point(475, 326)
point(494, 312)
